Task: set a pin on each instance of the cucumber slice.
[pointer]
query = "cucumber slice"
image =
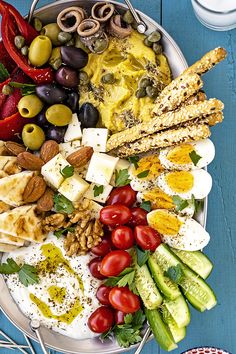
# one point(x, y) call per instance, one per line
point(179, 310)
point(195, 260)
point(160, 330)
point(194, 302)
point(165, 285)
point(177, 333)
point(146, 287)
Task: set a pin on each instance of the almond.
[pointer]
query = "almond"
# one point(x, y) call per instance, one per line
point(14, 148)
point(48, 150)
point(29, 161)
point(81, 157)
point(34, 189)
point(46, 202)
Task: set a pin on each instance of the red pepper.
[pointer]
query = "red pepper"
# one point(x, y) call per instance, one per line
point(11, 126)
point(5, 59)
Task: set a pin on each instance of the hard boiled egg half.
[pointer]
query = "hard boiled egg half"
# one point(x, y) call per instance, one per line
point(180, 232)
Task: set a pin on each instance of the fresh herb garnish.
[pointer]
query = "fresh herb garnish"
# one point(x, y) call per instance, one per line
point(134, 160)
point(143, 174)
point(194, 157)
point(4, 74)
point(27, 273)
point(175, 273)
point(146, 205)
point(62, 204)
point(180, 203)
point(97, 190)
point(122, 177)
point(62, 232)
point(67, 171)
point(124, 278)
point(198, 204)
point(26, 89)
point(142, 256)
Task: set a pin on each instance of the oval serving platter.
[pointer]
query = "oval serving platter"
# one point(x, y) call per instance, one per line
point(8, 306)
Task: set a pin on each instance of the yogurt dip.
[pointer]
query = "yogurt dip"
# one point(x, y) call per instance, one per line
point(65, 296)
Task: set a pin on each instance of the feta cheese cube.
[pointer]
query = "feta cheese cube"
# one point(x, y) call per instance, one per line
point(73, 187)
point(95, 137)
point(101, 168)
point(68, 148)
point(122, 164)
point(102, 197)
point(51, 171)
point(73, 131)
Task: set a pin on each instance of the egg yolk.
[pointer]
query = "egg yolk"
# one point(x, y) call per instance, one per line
point(180, 154)
point(159, 199)
point(151, 164)
point(180, 181)
point(165, 222)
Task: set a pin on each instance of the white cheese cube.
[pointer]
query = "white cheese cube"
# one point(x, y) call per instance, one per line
point(101, 168)
point(122, 164)
point(73, 187)
point(73, 131)
point(68, 148)
point(51, 171)
point(95, 137)
point(102, 197)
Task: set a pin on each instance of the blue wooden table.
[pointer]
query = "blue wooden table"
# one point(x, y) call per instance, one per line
point(217, 327)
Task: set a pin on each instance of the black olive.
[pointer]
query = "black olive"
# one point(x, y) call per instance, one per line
point(51, 93)
point(73, 101)
point(41, 119)
point(88, 115)
point(56, 133)
point(76, 58)
point(67, 77)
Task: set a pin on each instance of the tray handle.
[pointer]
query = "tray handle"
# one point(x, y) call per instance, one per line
point(31, 10)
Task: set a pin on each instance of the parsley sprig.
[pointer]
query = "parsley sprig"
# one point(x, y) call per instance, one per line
point(67, 171)
point(26, 89)
point(175, 273)
point(27, 273)
point(125, 278)
point(143, 174)
point(4, 74)
point(146, 205)
point(122, 177)
point(97, 190)
point(181, 204)
point(134, 160)
point(142, 256)
point(62, 232)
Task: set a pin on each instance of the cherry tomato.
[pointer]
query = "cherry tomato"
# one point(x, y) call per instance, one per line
point(122, 195)
point(101, 319)
point(103, 294)
point(115, 262)
point(146, 237)
point(122, 237)
point(115, 215)
point(138, 217)
point(94, 267)
point(124, 300)
point(119, 317)
point(103, 247)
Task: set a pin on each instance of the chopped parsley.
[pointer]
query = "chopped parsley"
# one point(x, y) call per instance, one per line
point(62, 204)
point(97, 190)
point(4, 74)
point(143, 174)
point(62, 232)
point(67, 171)
point(194, 157)
point(134, 160)
point(180, 203)
point(122, 177)
point(146, 205)
point(142, 256)
point(175, 273)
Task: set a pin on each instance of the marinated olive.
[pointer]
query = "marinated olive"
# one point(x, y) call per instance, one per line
point(29, 106)
point(76, 58)
point(128, 17)
point(25, 50)
point(55, 59)
point(59, 115)
point(37, 24)
point(41, 119)
point(83, 78)
point(7, 90)
point(52, 31)
point(19, 41)
point(79, 44)
point(40, 50)
point(33, 136)
point(154, 37)
point(141, 92)
point(108, 78)
point(88, 115)
point(64, 37)
point(157, 48)
point(147, 42)
point(73, 101)
point(144, 82)
point(56, 133)
point(51, 93)
point(67, 77)
point(152, 91)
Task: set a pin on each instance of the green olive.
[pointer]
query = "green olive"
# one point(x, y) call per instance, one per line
point(59, 115)
point(152, 91)
point(29, 106)
point(140, 93)
point(157, 48)
point(128, 17)
point(25, 50)
point(147, 42)
point(79, 44)
point(154, 37)
point(19, 41)
point(100, 45)
point(40, 50)
point(55, 59)
point(108, 78)
point(37, 24)
point(64, 37)
point(83, 78)
point(144, 82)
point(52, 31)
point(33, 136)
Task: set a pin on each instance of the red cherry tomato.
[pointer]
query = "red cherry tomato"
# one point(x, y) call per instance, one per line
point(146, 237)
point(103, 247)
point(119, 317)
point(138, 217)
point(115, 215)
point(115, 262)
point(94, 267)
point(101, 320)
point(103, 294)
point(124, 300)
point(122, 237)
point(122, 195)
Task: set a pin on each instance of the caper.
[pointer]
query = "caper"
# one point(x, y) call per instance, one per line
point(64, 37)
point(52, 31)
point(128, 17)
point(40, 50)
point(33, 136)
point(83, 78)
point(152, 91)
point(157, 48)
point(7, 90)
point(144, 82)
point(100, 45)
point(79, 44)
point(147, 42)
point(29, 106)
point(25, 50)
point(37, 23)
point(19, 41)
point(108, 78)
point(140, 93)
point(59, 115)
point(71, 43)
point(154, 37)
point(55, 59)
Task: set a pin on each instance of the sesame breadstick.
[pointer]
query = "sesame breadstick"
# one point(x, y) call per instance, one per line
point(199, 97)
point(165, 121)
point(215, 118)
